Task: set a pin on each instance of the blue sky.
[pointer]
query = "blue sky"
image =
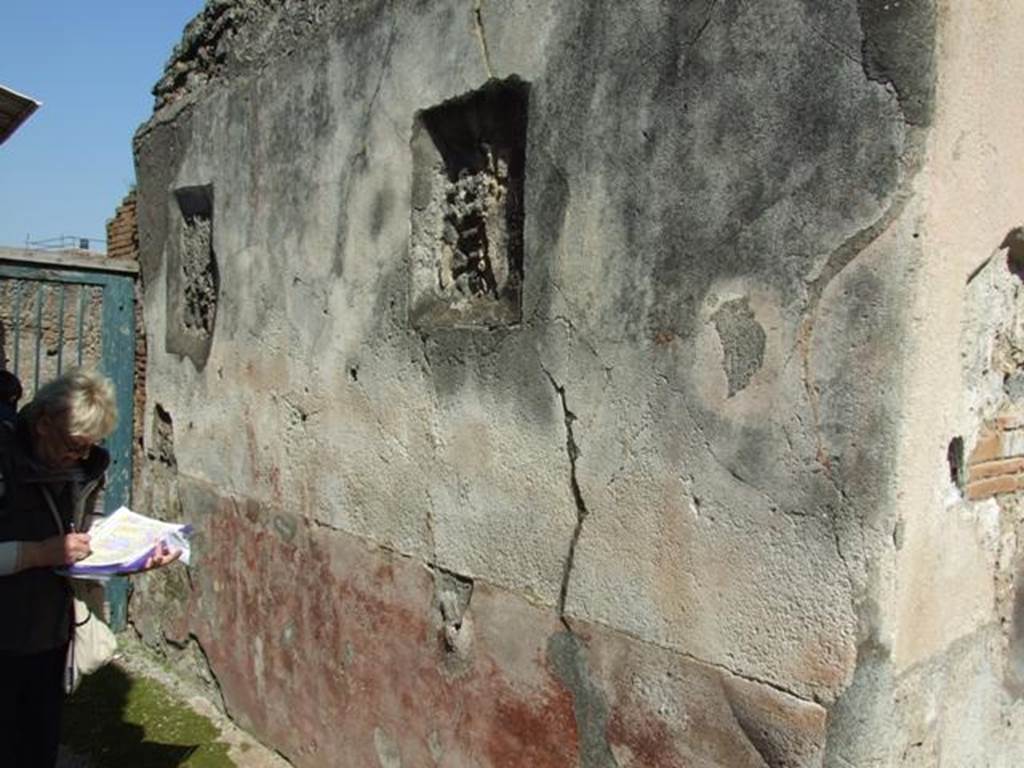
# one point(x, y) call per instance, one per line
point(93, 64)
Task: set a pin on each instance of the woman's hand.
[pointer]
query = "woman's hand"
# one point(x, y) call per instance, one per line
point(55, 551)
point(163, 555)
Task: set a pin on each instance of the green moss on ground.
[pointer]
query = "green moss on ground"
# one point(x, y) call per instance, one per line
point(116, 720)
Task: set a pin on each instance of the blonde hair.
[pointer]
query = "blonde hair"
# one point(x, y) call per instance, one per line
point(82, 400)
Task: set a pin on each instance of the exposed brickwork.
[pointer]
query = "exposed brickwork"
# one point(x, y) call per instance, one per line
point(123, 231)
point(996, 465)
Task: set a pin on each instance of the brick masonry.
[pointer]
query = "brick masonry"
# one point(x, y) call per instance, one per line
point(123, 231)
point(996, 464)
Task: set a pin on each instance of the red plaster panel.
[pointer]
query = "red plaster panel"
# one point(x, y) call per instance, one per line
point(332, 651)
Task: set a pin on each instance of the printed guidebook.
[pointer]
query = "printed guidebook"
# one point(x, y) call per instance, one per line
point(123, 541)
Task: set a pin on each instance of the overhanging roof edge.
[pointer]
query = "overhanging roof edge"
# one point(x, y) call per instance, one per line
point(21, 108)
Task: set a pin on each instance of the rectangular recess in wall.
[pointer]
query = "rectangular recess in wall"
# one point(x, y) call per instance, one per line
point(469, 158)
point(193, 278)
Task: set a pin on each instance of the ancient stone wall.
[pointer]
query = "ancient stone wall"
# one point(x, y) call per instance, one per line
point(545, 381)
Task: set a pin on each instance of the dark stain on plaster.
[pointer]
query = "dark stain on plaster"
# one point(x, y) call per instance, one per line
point(383, 201)
point(899, 50)
point(349, 178)
point(858, 718)
point(364, 51)
point(160, 150)
point(567, 656)
point(285, 526)
point(743, 342)
point(1015, 649)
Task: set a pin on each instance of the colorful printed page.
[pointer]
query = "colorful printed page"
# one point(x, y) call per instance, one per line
point(123, 541)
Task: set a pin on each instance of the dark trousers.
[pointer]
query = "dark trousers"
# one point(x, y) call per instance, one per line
point(31, 698)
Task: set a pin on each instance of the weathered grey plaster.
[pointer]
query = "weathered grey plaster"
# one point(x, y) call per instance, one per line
point(683, 435)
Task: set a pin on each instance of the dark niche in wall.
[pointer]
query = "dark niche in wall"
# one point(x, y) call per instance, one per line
point(193, 280)
point(469, 157)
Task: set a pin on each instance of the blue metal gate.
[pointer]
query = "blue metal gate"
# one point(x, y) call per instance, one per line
point(54, 316)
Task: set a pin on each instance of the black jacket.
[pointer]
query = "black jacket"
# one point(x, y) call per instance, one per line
point(35, 604)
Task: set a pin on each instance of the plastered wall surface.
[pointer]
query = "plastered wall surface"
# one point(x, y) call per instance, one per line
point(579, 435)
point(955, 578)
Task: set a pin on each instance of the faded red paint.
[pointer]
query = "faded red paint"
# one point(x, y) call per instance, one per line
point(324, 645)
point(648, 739)
point(319, 641)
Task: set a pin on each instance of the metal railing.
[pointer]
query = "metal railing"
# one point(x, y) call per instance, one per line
point(40, 325)
point(66, 243)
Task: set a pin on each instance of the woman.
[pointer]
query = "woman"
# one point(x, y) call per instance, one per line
point(49, 459)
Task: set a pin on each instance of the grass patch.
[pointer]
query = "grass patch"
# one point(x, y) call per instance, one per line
point(117, 720)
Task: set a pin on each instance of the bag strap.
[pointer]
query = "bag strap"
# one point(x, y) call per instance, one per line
point(53, 509)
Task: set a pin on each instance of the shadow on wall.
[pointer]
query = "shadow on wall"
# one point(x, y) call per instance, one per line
point(1014, 245)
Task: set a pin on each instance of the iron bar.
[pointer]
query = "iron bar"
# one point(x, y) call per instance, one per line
point(39, 336)
point(81, 320)
point(60, 330)
point(17, 325)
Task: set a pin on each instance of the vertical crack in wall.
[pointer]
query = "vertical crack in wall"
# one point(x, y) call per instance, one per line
point(435, 407)
point(581, 508)
point(481, 36)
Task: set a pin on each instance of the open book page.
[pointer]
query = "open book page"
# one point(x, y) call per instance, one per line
point(123, 541)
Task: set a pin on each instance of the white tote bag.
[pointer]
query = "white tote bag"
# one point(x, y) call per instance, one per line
point(92, 645)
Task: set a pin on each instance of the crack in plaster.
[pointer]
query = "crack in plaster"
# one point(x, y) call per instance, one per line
point(774, 505)
point(574, 331)
point(842, 257)
point(581, 508)
point(675, 651)
point(385, 65)
point(368, 540)
point(427, 367)
point(434, 566)
point(835, 46)
point(837, 261)
point(481, 36)
point(359, 157)
point(703, 27)
point(777, 687)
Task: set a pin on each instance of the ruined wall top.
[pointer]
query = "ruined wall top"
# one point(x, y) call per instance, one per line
point(232, 36)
